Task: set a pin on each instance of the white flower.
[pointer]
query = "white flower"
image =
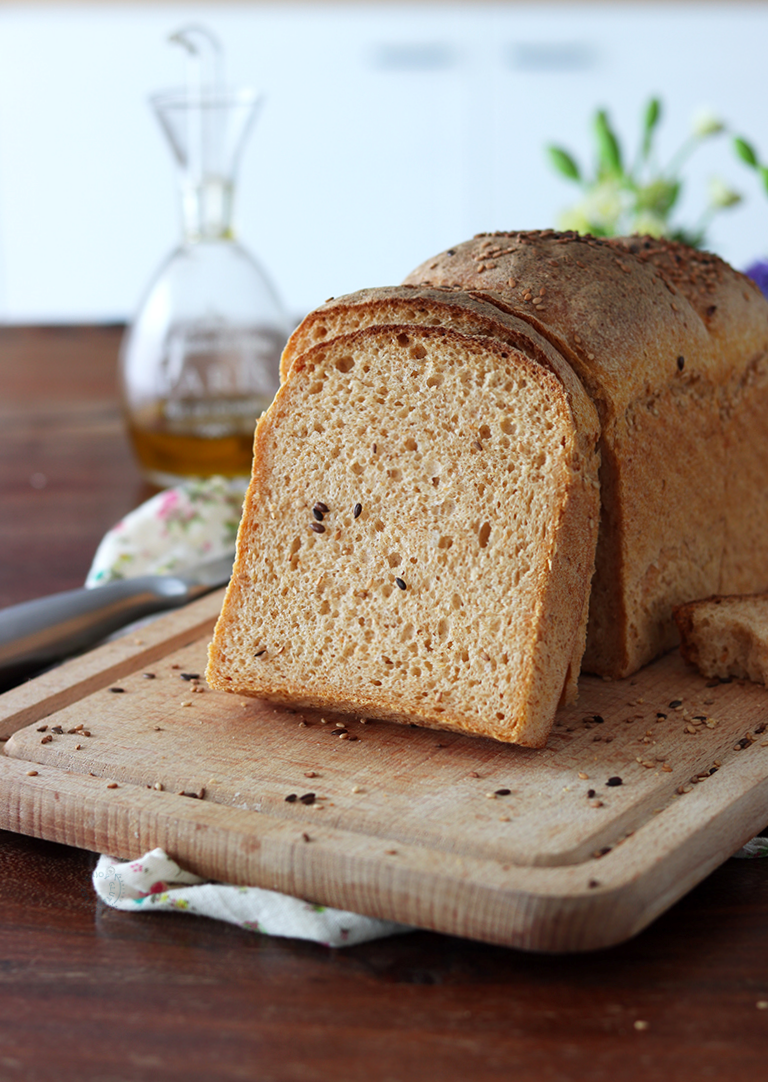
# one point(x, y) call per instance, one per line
point(720, 195)
point(705, 123)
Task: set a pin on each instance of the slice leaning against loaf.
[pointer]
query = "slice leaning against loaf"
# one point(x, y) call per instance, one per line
point(726, 636)
point(672, 346)
point(454, 310)
point(446, 582)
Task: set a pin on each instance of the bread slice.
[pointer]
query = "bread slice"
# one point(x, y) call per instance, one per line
point(672, 346)
point(418, 538)
point(452, 309)
point(726, 636)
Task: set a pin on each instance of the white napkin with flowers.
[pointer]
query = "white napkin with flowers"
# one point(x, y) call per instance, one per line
point(174, 530)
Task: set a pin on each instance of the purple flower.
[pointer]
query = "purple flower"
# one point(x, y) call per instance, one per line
point(758, 272)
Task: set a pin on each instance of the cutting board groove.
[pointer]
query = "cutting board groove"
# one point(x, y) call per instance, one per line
point(535, 849)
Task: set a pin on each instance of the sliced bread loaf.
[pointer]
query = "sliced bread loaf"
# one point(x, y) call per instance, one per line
point(418, 538)
point(672, 346)
point(726, 636)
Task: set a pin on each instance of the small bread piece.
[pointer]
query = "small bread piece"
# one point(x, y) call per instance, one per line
point(418, 538)
point(672, 346)
point(726, 636)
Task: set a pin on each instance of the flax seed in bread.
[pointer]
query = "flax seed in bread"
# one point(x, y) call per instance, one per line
point(418, 537)
point(726, 636)
point(672, 346)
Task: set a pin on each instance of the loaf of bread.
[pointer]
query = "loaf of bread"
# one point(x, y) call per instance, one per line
point(422, 524)
point(418, 538)
point(672, 346)
point(726, 636)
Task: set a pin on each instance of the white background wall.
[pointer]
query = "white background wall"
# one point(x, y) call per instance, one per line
point(389, 132)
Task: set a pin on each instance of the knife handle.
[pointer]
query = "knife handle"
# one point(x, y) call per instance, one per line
point(37, 633)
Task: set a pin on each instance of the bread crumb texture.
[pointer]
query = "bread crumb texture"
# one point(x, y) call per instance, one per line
point(726, 636)
point(418, 538)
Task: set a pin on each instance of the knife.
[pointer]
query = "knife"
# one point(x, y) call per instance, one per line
point(38, 633)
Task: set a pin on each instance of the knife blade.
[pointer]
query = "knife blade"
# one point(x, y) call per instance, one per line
point(38, 633)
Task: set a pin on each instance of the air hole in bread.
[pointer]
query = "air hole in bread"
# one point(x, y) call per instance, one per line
point(345, 364)
point(394, 559)
point(403, 340)
point(483, 534)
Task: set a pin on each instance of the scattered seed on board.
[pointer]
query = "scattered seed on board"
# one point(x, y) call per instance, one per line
point(47, 739)
point(31, 773)
point(614, 781)
point(117, 691)
point(189, 675)
point(113, 785)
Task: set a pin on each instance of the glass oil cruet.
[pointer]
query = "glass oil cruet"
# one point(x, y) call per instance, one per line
point(200, 361)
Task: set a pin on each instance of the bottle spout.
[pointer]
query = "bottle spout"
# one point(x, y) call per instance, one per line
point(205, 59)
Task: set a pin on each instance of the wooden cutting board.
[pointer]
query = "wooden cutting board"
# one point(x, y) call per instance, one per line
point(645, 787)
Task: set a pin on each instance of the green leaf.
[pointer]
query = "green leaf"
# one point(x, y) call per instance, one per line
point(608, 150)
point(652, 117)
point(763, 170)
point(745, 151)
point(563, 163)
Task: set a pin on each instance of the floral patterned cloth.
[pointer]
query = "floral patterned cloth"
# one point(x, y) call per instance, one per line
point(172, 531)
point(176, 529)
point(155, 882)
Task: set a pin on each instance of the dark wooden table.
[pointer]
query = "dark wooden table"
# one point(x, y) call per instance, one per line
point(95, 995)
